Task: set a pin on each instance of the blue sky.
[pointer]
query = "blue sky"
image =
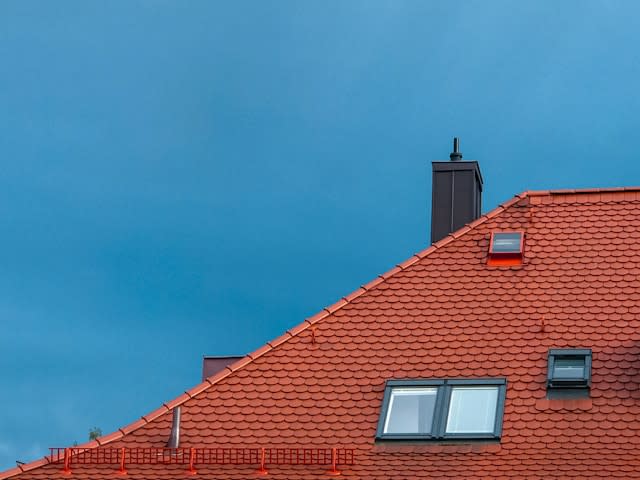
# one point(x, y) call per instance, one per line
point(188, 178)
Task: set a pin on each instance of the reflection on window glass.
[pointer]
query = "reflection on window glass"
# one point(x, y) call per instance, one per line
point(472, 409)
point(411, 410)
point(568, 368)
point(506, 242)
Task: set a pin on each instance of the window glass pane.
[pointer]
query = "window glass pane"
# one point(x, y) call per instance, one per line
point(506, 242)
point(472, 409)
point(411, 410)
point(568, 367)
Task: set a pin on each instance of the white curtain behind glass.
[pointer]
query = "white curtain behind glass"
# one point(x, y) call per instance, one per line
point(472, 409)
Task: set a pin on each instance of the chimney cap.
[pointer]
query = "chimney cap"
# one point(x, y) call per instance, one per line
point(456, 155)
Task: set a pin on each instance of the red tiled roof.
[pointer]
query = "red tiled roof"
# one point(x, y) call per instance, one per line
point(441, 314)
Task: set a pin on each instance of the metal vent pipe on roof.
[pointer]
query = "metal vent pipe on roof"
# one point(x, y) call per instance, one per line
point(174, 437)
point(456, 155)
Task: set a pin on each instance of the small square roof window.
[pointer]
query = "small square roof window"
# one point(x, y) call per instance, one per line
point(506, 243)
point(569, 368)
point(506, 248)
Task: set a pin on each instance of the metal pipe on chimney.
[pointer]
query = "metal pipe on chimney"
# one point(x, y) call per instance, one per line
point(456, 156)
point(174, 437)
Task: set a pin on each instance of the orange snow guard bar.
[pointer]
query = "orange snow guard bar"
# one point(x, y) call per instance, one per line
point(190, 457)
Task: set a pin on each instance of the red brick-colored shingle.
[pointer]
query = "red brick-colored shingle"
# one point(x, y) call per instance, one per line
point(443, 313)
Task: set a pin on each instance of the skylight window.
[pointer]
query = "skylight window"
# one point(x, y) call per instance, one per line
point(506, 248)
point(472, 409)
point(442, 409)
point(506, 242)
point(569, 369)
point(411, 410)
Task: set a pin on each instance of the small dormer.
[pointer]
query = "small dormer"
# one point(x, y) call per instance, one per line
point(506, 249)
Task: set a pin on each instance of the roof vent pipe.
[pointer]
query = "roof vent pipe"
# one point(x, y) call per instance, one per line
point(174, 437)
point(456, 155)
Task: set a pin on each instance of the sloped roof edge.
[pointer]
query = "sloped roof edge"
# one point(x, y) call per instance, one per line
point(324, 313)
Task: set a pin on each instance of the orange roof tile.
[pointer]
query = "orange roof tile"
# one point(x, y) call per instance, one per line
point(442, 313)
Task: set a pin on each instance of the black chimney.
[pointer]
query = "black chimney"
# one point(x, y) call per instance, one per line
point(456, 194)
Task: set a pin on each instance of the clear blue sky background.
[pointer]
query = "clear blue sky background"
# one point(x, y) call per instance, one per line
point(187, 178)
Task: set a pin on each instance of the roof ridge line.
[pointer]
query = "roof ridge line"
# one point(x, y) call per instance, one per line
point(569, 191)
point(272, 344)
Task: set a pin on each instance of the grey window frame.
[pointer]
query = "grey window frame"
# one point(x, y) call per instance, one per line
point(441, 409)
point(583, 382)
point(518, 252)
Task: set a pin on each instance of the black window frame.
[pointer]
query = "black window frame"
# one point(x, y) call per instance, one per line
point(441, 409)
point(584, 382)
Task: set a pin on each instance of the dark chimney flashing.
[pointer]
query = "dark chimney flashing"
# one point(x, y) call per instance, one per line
point(456, 194)
point(174, 436)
